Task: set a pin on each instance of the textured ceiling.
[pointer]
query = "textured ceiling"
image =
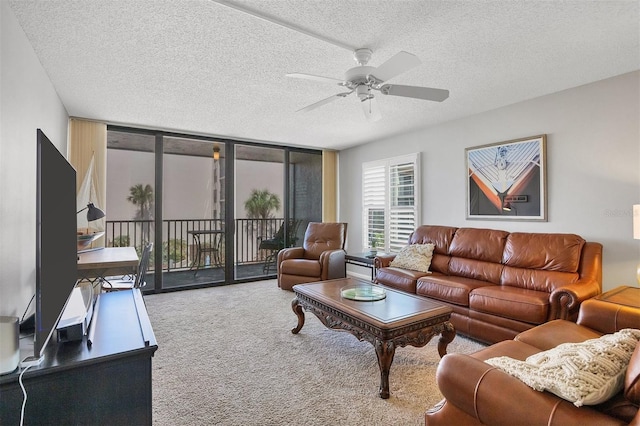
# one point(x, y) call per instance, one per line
point(203, 67)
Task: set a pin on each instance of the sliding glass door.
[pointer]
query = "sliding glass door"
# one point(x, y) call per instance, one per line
point(193, 228)
point(278, 192)
point(130, 190)
point(218, 211)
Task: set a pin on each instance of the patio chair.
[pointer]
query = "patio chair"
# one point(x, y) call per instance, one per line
point(138, 281)
point(276, 243)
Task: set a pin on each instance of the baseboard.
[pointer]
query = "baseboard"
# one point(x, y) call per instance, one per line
point(366, 277)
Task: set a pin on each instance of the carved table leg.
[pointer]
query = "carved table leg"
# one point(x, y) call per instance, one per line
point(297, 309)
point(385, 349)
point(447, 336)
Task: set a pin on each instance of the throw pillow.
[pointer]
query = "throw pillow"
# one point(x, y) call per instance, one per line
point(586, 373)
point(416, 257)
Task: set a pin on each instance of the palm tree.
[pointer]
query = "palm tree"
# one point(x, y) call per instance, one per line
point(142, 196)
point(261, 204)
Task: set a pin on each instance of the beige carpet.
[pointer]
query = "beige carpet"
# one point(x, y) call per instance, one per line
point(227, 357)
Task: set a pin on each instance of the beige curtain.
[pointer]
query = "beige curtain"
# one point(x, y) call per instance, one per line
point(89, 139)
point(329, 186)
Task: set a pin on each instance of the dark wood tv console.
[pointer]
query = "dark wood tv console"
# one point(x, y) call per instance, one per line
point(107, 382)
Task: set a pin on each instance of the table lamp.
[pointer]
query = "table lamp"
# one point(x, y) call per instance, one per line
point(636, 232)
point(94, 213)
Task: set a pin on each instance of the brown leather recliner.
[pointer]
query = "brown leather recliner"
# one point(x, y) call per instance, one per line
point(320, 258)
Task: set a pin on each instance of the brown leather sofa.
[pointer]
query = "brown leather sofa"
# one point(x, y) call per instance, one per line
point(499, 283)
point(321, 257)
point(477, 393)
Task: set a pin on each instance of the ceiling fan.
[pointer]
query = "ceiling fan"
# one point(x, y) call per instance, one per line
point(365, 80)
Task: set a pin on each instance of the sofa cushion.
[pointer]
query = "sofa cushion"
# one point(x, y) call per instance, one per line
point(400, 278)
point(553, 333)
point(511, 302)
point(632, 378)
point(619, 407)
point(585, 373)
point(448, 288)
point(416, 257)
point(479, 244)
point(536, 279)
point(508, 348)
point(303, 267)
point(551, 252)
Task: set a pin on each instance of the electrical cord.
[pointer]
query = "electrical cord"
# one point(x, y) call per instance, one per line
point(24, 392)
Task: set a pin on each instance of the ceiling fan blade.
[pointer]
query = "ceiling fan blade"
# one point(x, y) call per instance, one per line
point(427, 93)
point(324, 102)
point(315, 78)
point(397, 64)
point(370, 109)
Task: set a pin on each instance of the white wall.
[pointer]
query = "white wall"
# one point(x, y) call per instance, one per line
point(593, 160)
point(28, 101)
point(258, 175)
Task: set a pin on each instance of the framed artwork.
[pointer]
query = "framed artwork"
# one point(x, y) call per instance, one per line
point(507, 180)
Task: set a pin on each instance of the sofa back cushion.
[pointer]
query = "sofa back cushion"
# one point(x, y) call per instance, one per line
point(479, 244)
point(323, 236)
point(475, 269)
point(440, 237)
point(476, 253)
point(549, 252)
point(536, 279)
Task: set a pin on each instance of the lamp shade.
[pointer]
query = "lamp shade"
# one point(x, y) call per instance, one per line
point(636, 221)
point(94, 213)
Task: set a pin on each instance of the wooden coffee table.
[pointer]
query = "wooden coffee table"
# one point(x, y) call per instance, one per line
point(400, 319)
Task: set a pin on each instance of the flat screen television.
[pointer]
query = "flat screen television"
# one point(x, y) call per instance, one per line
point(56, 242)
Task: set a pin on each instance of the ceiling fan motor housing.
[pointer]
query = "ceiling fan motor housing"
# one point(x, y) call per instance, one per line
point(362, 56)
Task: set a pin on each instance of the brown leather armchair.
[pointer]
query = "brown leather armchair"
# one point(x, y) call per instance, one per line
point(320, 258)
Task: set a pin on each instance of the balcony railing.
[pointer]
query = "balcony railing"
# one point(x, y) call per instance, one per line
point(179, 249)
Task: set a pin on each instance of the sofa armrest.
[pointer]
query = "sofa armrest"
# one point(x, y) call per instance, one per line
point(383, 260)
point(496, 398)
point(332, 263)
point(565, 301)
point(607, 317)
point(290, 253)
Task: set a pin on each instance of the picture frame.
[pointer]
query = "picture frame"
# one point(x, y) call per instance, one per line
point(507, 180)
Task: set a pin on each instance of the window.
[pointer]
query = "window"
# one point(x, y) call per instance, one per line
point(390, 201)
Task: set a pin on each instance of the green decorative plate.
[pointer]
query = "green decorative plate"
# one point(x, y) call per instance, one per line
point(364, 293)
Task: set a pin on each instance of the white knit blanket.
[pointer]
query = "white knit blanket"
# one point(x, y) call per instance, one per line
point(585, 373)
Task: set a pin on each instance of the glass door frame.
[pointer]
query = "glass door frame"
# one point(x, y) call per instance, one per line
point(229, 207)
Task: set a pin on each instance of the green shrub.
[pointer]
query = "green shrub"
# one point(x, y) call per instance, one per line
point(175, 250)
point(120, 241)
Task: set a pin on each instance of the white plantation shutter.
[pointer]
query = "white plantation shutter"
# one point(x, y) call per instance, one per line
point(390, 201)
point(374, 200)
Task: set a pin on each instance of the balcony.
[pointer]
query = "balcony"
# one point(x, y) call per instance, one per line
point(180, 263)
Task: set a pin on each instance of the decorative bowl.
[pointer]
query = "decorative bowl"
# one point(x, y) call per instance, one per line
point(363, 292)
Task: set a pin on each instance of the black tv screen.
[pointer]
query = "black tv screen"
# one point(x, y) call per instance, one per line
point(56, 242)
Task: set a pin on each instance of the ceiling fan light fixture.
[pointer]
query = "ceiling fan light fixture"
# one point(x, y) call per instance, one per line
point(363, 92)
